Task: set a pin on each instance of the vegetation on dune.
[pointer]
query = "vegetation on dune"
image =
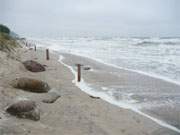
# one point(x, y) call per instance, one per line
point(7, 42)
point(4, 29)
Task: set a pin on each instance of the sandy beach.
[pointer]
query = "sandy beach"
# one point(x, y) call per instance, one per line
point(75, 112)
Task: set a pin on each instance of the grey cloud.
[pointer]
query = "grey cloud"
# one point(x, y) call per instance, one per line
point(96, 17)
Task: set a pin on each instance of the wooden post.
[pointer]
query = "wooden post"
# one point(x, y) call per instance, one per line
point(35, 48)
point(79, 72)
point(47, 54)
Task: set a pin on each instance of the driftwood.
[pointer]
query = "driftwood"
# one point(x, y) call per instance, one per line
point(86, 68)
point(94, 97)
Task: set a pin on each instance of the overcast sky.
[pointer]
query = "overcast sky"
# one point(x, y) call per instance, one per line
point(53, 18)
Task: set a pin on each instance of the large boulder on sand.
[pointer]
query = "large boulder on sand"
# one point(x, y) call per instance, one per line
point(51, 97)
point(24, 109)
point(33, 66)
point(31, 85)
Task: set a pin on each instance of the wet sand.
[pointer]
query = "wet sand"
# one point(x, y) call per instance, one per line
point(75, 112)
point(155, 97)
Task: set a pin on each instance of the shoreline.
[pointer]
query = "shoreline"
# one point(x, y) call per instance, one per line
point(74, 113)
point(152, 75)
point(121, 105)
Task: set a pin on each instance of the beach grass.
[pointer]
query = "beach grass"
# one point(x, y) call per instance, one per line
point(7, 43)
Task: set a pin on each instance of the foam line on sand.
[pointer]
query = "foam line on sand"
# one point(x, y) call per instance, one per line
point(86, 88)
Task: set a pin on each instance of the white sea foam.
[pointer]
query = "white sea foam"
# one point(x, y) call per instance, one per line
point(104, 88)
point(123, 104)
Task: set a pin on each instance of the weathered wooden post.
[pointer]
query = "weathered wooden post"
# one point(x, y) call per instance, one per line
point(35, 48)
point(78, 72)
point(47, 54)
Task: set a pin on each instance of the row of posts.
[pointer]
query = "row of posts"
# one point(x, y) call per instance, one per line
point(78, 65)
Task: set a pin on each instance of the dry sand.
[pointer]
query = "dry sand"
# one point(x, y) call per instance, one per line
point(74, 113)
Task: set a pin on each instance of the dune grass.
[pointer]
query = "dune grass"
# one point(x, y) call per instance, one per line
point(7, 43)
